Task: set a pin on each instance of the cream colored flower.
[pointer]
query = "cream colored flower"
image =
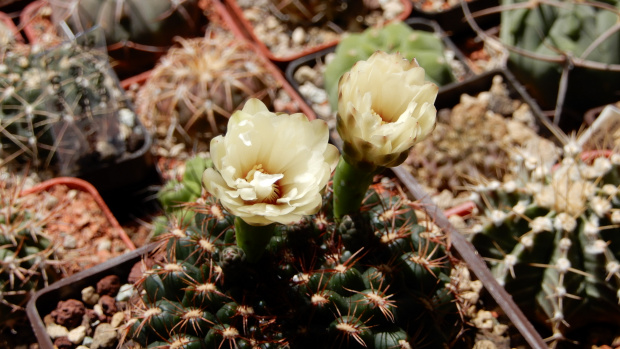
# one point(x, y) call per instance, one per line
point(385, 106)
point(270, 168)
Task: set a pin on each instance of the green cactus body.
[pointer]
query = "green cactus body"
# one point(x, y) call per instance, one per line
point(426, 47)
point(551, 238)
point(196, 87)
point(318, 284)
point(564, 28)
point(63, 110)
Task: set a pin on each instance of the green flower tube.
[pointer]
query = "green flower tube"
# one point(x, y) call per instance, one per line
point(253, 239)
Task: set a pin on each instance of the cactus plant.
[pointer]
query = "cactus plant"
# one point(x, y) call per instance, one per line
point(375, 280)
point(27, 256)
point(426, 47)
point(573, 40)
point(550, 235)
point(476, 139)
point(145, 27)
point(62, 109)
point(194, 89)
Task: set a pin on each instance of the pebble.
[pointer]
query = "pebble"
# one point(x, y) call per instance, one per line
point(88, 340)
point(104, 245)
point(104, 338)
point(69, 242)
point(76, 335)
point(298, 36)
point(55, 331)
point(125, 293)
point(305, 74)
point(313, 93)
point(117, 319)
point(90, 296)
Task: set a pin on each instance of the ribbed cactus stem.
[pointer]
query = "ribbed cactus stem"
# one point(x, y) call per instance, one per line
point(350, 186)
point(253, 239)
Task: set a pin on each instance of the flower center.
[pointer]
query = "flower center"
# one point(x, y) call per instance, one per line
point(265, 185)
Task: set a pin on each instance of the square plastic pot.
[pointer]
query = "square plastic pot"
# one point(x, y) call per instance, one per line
point(452, 19)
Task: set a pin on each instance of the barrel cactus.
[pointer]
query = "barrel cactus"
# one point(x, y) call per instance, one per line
point(62, 109)
point(426, 47)
point(194, 89)
point(551, 237)
point(543, 33)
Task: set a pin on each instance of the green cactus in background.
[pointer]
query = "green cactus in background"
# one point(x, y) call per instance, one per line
point(174, 195)
point(376, 280)
point(585, 31)
point(340, 12)
point(62, 109)
point(144, 26)
point(192, 92)
point(27, 257)
point(426, 47)
point(551, 237)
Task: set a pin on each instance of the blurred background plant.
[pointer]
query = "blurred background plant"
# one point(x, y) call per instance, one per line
point(137, 32)
point(567, 53)
point(550, 234)
point(62, 109)
point(190, 94)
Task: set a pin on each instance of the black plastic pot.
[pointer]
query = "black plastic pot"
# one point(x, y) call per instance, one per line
point(45, 300)
point(453, 20)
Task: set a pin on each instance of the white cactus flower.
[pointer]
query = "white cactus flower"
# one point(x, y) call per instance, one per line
point(385, 106)
point(270, 168)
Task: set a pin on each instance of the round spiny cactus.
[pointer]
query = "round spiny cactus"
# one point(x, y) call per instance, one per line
point(62, 109)
point(192, 92)
point(376, 280)
point(551, 237)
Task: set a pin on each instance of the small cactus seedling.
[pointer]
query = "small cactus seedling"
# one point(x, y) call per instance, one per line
point(377, 280)
point(63, 109)
point(551, 237)
point(426, 47)
point(192, 92)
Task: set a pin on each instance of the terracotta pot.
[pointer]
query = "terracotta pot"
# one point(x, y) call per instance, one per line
point(84, 186)
point(45, 300)
point(247, 28)
point(7, 21)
